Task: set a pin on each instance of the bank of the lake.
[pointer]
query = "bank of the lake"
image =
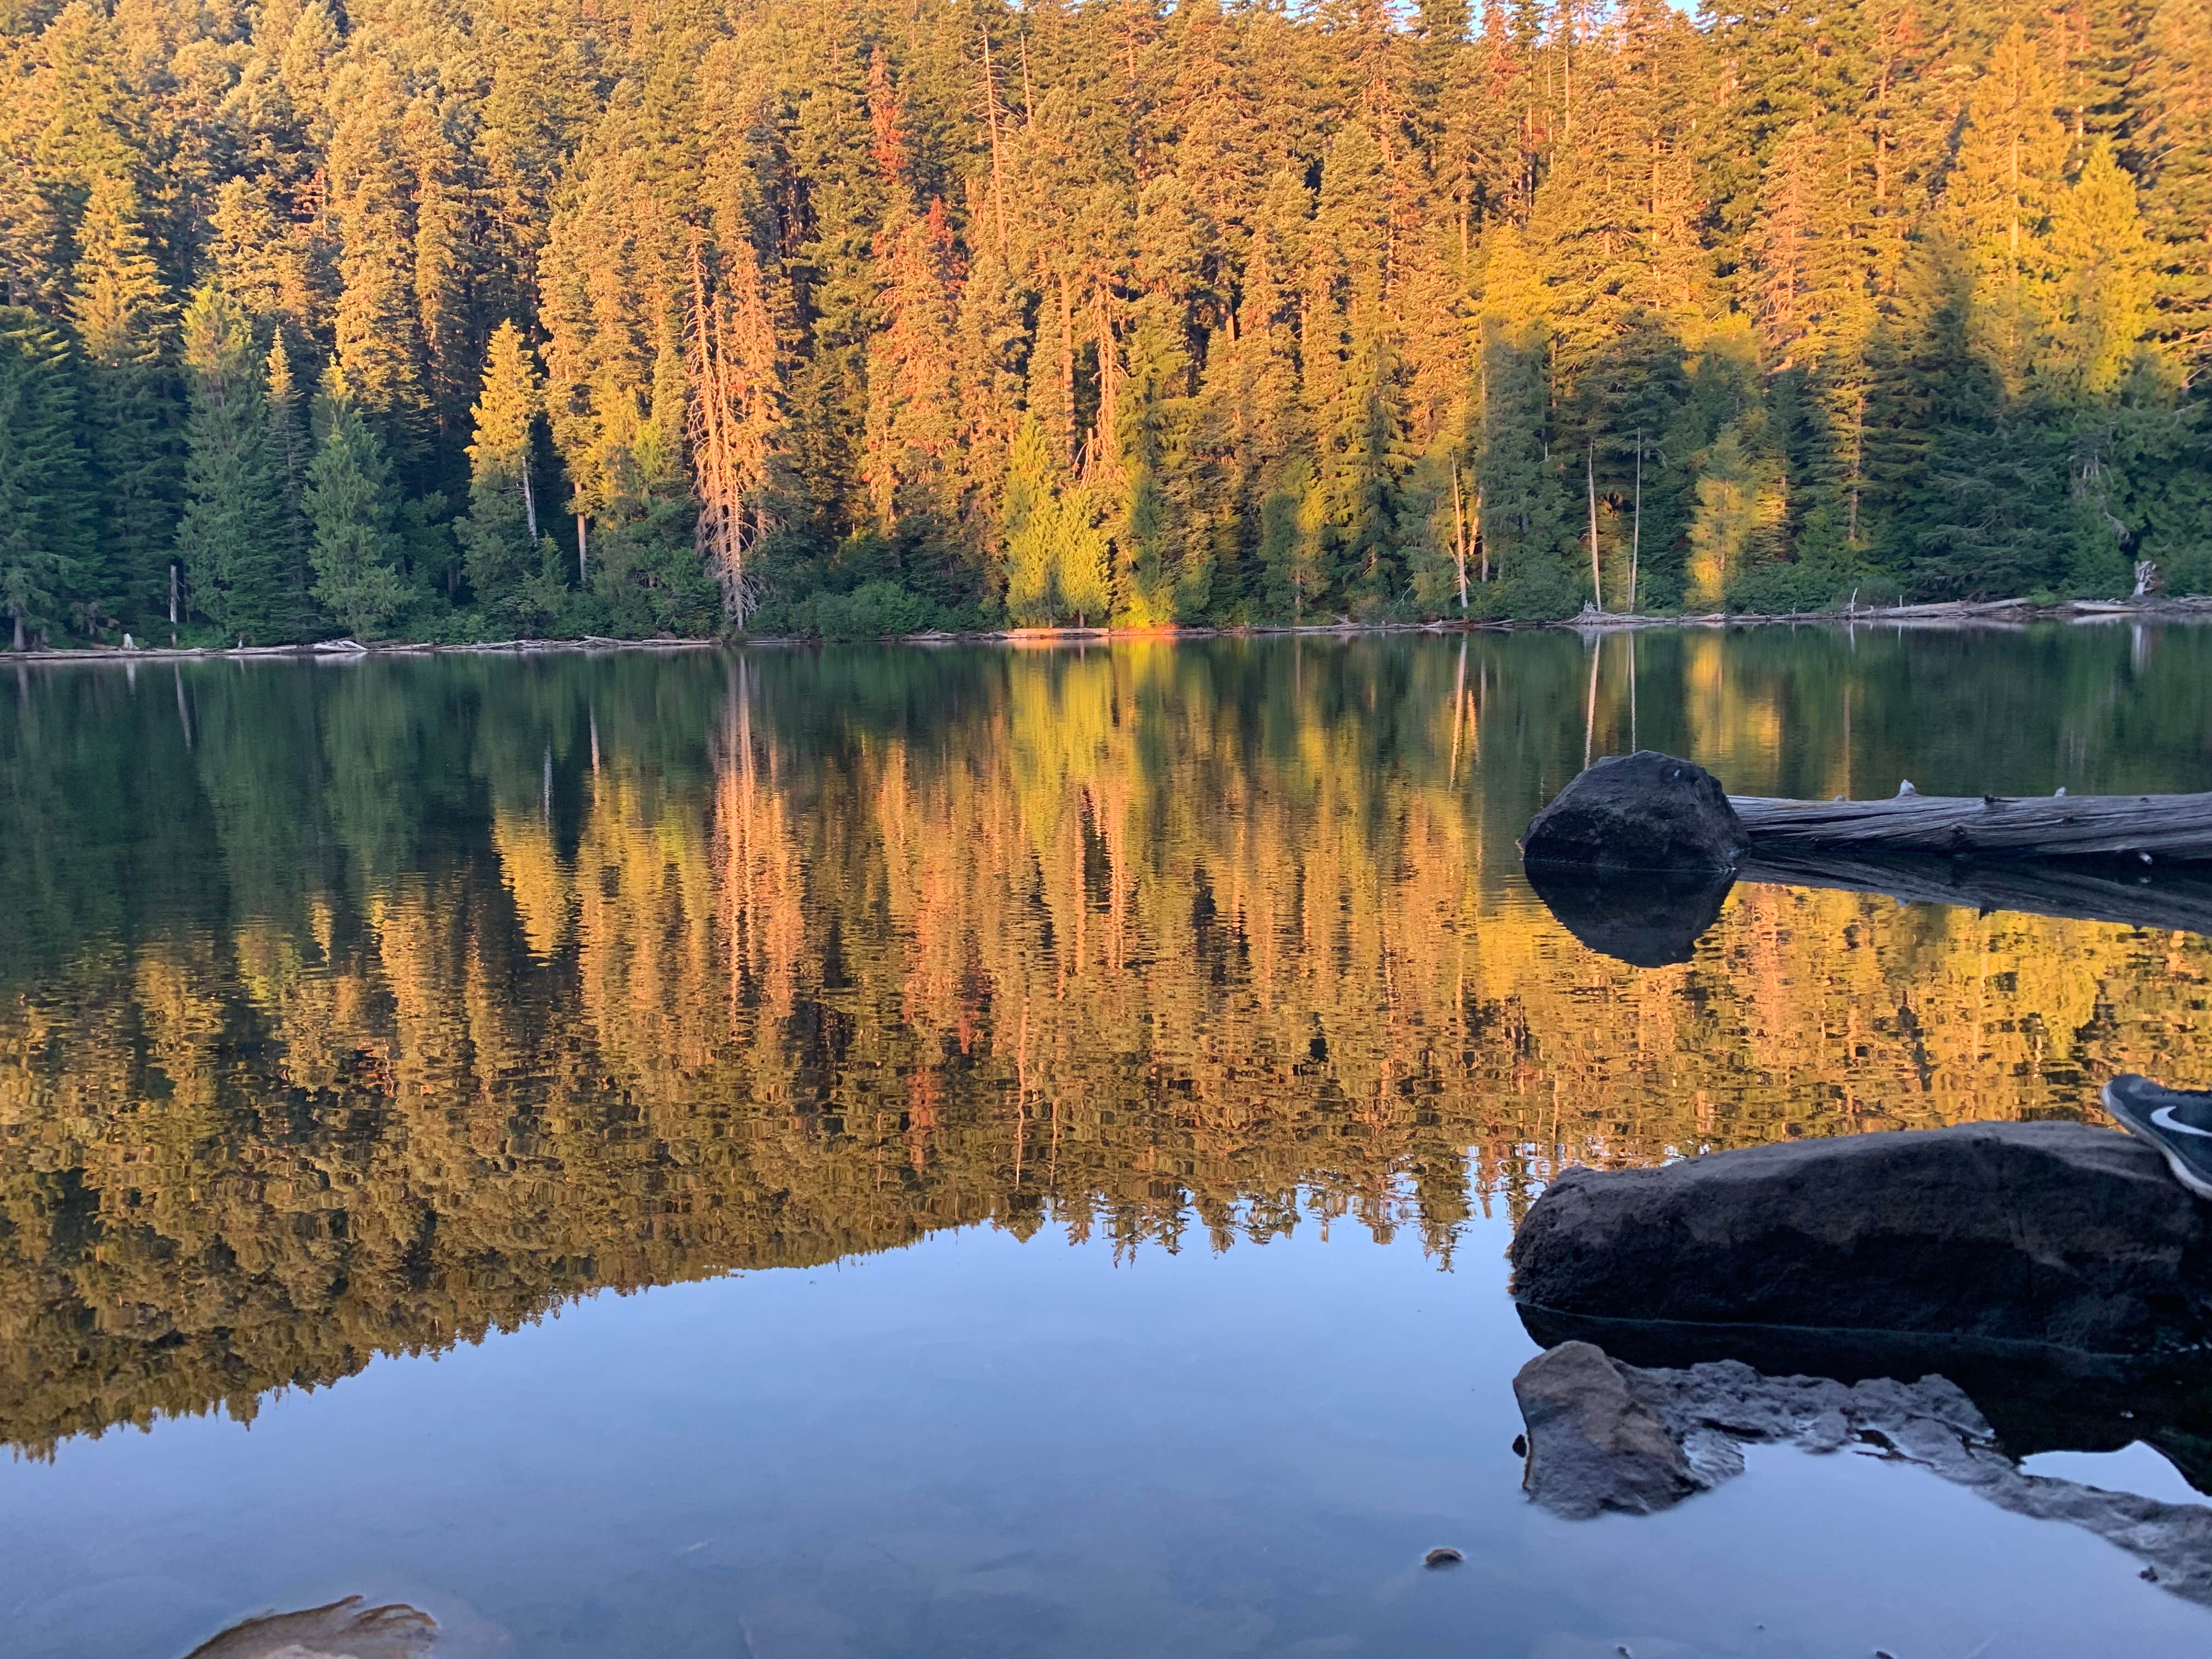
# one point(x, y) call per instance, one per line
point(1951, 613)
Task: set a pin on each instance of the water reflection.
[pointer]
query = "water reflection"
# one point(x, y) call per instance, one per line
point(360, 1010)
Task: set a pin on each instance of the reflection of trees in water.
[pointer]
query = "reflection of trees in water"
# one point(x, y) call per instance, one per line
point(407, 1002)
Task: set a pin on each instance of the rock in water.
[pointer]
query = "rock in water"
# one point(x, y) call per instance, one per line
point(2051, 1233)
point(1591, 1446)
point(1640, 811)
point(1698, 1419)
point(344, 1630)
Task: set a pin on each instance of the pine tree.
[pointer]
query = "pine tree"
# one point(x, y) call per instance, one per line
point(353, 512)
point(498, 535)
point(912, 418)
point(45, 508)
point(288, 455)
point(1998, 200)
point(1029, 523)
point(1522, 512)
point(121, 311)
point(2174, 145)
point(1082, 558)
point(229, 538)
point(2102, 270)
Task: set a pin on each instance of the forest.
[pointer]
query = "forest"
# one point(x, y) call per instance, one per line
point(474, 319)
point(367, 1010)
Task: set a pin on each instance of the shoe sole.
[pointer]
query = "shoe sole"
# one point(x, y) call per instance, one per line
point(2146, 1131)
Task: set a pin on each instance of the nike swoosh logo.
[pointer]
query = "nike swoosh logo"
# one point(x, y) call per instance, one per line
point(2165, 1119)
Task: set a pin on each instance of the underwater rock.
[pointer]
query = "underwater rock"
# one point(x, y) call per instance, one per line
point(1697, 1421)
point(2047, 1233)
point(343, 1630)
point(1591, 1446)
point(1640, 811)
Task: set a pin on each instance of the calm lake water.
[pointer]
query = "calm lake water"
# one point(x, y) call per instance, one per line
point(973, 1151)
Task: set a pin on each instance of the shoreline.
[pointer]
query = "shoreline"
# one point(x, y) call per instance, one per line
point(1986, 613)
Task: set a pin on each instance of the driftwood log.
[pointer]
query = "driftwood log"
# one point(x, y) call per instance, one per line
point(2146, 828)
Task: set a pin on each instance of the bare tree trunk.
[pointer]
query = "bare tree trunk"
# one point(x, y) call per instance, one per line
point(582, 578)
point(1459, 537)
point(1589, 472)
point(529, 503)
point(1636, 534)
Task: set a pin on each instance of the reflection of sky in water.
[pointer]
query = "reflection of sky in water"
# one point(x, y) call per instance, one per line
point(981, 1447)
point(2140, 1469)
point(339, 1011)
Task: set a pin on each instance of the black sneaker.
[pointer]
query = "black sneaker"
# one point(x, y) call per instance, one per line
point(2177, 1121)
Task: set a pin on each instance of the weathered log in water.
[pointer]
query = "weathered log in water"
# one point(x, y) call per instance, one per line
point(2162, 828)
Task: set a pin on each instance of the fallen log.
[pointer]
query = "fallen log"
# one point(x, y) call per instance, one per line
point(2147, 829)
point(1653, 811)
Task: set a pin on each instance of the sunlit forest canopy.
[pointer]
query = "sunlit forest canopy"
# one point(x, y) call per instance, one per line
point(465, 319)
point(359, 1010)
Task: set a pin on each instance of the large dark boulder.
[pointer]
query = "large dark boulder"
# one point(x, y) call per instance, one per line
point(1640, 811)
point(2056, 1234)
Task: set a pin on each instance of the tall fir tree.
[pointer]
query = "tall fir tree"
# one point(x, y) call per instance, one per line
point(230, 537)
point(121, 310)
point(498, 535)
point(353, 513)
point(45, 517)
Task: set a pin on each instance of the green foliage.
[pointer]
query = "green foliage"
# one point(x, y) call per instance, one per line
point(45, 508)
point(498, 535)
point(228, 539)
point(354, 513)
point(875, 610)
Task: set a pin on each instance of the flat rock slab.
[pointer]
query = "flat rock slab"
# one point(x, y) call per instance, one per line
point(1605, 1436)
point(2049, 1233)
point(1640, 811)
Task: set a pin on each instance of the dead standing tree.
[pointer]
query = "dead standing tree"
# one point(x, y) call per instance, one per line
point(733, 418)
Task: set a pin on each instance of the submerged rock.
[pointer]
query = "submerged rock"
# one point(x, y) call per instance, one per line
point(1694, 1421)
point(343, 1630)
point(1640, 811)
point(2035, 1397)
point(2046, 1233)
point(1591, 1446)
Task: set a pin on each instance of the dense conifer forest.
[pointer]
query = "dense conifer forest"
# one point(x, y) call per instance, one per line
point(474, 318)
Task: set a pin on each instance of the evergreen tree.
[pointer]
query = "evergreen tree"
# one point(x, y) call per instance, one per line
point(499, 535)
point(2101, 265)
point(353, 514)
point(121, 311)
point(288, 455)
point(1521, 509)
point(1029, 528)
point(45, 511)
point(228, 539)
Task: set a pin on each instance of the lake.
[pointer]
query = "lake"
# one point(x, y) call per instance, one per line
point(977, 1151)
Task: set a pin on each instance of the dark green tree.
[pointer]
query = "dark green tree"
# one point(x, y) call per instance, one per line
point(44, 510)
point(353, 514)
point(230, 539)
